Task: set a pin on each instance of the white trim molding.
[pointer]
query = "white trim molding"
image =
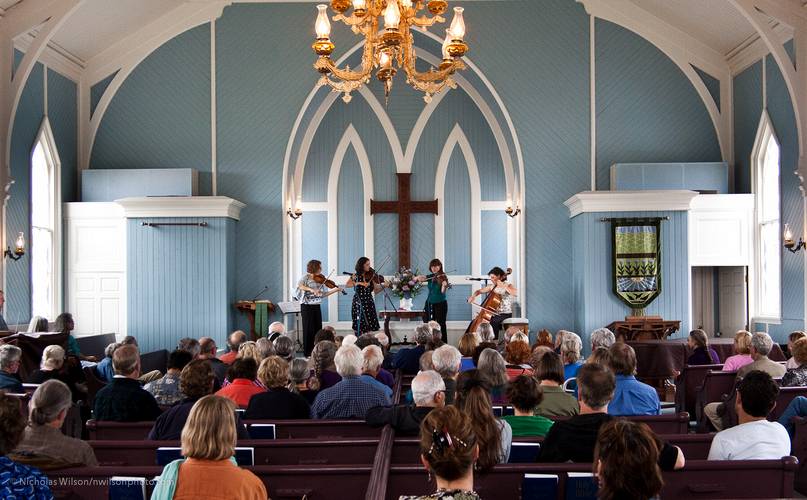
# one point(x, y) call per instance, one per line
point(630, 201)
point(186, 206)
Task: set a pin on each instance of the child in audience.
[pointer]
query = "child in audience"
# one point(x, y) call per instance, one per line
point(525, 394)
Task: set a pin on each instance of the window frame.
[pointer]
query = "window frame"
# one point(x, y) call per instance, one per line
point(51, 152)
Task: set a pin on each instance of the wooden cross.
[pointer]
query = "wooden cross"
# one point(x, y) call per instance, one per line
point(404, 207)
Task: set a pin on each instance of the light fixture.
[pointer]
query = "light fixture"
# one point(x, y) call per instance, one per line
point(19, 248)
point(390, 47)
point(512, 212)
point(790, 244)
point(294, 214)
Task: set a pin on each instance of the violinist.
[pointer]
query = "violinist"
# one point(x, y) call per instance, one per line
point(436, 303)
point(505, 290)
point(313, 287)
point(366, 282)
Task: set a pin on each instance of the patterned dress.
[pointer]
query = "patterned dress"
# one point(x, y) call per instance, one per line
point(445, 495)
point(22, 482)
point(363, 311)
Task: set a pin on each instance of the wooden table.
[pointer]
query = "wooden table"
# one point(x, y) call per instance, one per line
point(644, 329)
point(400, 315)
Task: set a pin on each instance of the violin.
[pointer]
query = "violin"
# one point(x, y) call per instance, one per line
point(440, 277)
point(371, 277)
point(323, 280)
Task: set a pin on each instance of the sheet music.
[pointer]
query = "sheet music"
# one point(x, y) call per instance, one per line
point(291, 307)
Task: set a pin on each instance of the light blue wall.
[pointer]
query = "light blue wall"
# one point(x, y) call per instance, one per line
point(596, 304)
point(712, 85)
point(179, 281)
point(747, 112)
point(691, 176)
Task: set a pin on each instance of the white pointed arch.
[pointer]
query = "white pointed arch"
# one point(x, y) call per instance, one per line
point(455, 139)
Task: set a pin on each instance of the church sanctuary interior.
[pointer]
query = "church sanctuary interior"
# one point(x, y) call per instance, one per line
point(403, 249)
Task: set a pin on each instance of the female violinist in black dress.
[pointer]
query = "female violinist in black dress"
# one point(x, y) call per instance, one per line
point(366, 282)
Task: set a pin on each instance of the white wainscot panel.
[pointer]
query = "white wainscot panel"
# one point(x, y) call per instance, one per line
point(110, 315)
point(720, 230)
point(84, 308)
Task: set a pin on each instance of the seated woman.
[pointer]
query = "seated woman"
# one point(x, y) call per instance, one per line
point(466, 346)
point(241, 374)
point(300, 376)
point(38, 324)
point(52, 368)
point(556, 402)
point(209, 470)
point(494, 436)
point(791, 339)
point(43, 442)
point(525, 394)
point(600, 355)
point(517, 354)
point(626, 461)
point(543, 338)
point(492, 368)
point(278, 402)
point(742, 352)
point(64, 324)
point(570, 349)
point(702, 354)
point(797, 377)
point(284, 347)
point(321, 363)
point(448, 449)
point(18, 481)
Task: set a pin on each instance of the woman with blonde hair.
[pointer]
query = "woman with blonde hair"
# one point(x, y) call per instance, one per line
point(570, 348)
point(742, 352)
point(208, 455)
point(51, 367)
point(278, 402)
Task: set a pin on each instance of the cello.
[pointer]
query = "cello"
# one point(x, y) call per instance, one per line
point(488, 308)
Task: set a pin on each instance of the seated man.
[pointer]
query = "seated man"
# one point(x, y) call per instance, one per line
point(234, 341)
point(123, 399)
point(383, 375)
point(372, 365)
point(275, 330)
point(42, 440)
point(408, 360)
point(754, 438)
point(524, 393)
point(349, 398)
point(446, 360)
point(166, 389)
point(429, 393)
point(574, 439)
point(9, 366)
point(207, 350)
point(103, 370)
point(631, 397)
point(190, 345)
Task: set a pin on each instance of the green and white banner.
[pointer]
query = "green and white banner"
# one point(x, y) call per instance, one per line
point(637, 260)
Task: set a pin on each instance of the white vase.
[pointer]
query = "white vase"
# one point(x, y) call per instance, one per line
point(406, 304)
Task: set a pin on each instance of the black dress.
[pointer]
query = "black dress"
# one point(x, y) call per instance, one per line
point(363, 311)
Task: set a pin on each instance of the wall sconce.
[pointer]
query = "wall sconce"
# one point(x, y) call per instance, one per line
point(294, 214)
point(19, 248)
point(790, 244)
point(512, 212)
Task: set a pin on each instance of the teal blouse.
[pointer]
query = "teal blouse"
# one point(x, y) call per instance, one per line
point(436, 294)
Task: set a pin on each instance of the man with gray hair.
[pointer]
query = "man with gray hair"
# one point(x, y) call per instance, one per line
point(408, 360)
point(602, 337)
point(351, 397)
point(9, 366)
point(373, 358)
point(123, 399)
point(446, 361)
point(428, 391)
point(207, 350)
point(42, 439)
point(276, 329)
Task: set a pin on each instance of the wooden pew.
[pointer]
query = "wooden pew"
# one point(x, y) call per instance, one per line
point(267, 451)
point(715, 385)
point(786, 395)
point(699, 479)
point(687, 385)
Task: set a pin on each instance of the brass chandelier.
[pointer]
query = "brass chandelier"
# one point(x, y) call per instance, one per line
point(391, 47)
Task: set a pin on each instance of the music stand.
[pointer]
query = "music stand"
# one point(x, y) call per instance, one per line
point(293, 307)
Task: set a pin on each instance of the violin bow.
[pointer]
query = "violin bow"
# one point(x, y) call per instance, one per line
point(442, 273)
point(326, 279)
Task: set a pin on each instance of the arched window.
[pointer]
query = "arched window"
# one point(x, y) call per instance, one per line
point(45, 226)
point(765, 168)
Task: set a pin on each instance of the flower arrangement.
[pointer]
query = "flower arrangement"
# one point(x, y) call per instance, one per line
point(404, 284)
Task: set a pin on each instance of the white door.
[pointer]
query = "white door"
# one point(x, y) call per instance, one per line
point(703, 299)
point(733, 300)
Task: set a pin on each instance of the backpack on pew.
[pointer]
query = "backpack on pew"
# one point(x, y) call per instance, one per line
point(726, 410)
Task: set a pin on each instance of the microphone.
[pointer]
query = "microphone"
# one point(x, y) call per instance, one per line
point(478, 279)
point(265, 287)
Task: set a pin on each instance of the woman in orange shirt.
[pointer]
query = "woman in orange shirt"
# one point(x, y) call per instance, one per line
point(242, 386)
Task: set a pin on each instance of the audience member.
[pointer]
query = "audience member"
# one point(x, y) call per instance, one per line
point(525, 394)
point(624, 446)
point(278, 402)
point(425, 361)
point(324, 334)
point(754, 438)
point(322, 364)
point(559, 339)
point(602, 337)
point(383, 376)
point(43, 441)
point(284, 348)
point(537, 353)
point(797, 377)
point(543, 338)
point(702, 354)
point(791, 339)
point(493, 435)
point(466, 346)
point(300, 375)
point(64, 324)
point(570, 350)
point(166, 390)
point(437, 336)
point(446, 360)
point(338, 340)
point(601, 356)
point(196, 381)
point(9, 366)
point(350, 398)
point(492, 368)
point(349, 339)
point(373, 357)
point(631, 397)
point(742, 352)
point(556, 402)
point(517, 355)
point(383, 340)
point(190, 345)
point(234, 341)
point(407, 360)
point(761, 345)
point(17, 480)
point(103, 370)
point(448, 450)
point(242, 375)
point(207, 351)
point(249, 349)
point(428, 392)
point(574, 439)
point(485, 333)
point(209, 470)
point(38, 324)
point(52, 368)
point(123, 399)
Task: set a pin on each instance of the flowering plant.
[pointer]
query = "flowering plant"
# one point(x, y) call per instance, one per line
point(404, 283)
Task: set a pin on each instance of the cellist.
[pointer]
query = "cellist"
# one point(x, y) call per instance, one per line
point(505, 290)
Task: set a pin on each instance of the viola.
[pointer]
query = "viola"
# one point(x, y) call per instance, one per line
point(323, 280)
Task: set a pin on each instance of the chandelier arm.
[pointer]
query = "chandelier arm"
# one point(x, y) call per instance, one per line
point(425, 21)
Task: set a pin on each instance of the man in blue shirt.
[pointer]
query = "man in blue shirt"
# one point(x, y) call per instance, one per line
point(104, 370)
point(408, 360)
point(631, 397)
point(9, 365)
point(373, 358)
point(351, 397)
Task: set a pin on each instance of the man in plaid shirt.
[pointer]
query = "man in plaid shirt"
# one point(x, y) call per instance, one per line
point(350, 398)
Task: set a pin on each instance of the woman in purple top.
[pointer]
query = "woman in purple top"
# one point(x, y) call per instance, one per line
point(323, 366)
point(702, 354)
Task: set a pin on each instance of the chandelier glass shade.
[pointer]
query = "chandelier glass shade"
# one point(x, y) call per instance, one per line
point(389, 45)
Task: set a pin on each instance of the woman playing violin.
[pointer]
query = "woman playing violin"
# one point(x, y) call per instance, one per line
point(436, 303)
point(366, 282)
point(500, 286)
point(314, 287)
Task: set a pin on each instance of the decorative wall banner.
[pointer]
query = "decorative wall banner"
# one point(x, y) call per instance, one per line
point(636, 246)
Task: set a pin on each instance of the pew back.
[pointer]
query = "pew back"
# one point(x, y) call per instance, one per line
point(687, 385)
